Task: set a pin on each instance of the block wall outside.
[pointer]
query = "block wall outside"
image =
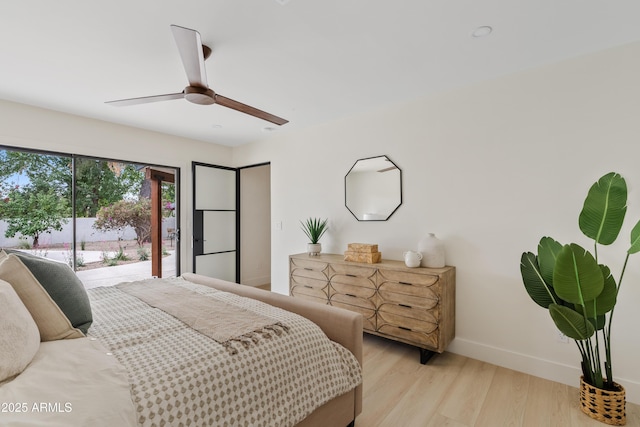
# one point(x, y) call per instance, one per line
point(84, 232)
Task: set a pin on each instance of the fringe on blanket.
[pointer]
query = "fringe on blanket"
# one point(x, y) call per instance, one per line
point(253, 338)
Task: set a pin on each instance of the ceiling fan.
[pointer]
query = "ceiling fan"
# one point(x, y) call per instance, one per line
point(193, 54)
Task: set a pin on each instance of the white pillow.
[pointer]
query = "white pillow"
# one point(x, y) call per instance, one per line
point(19, 336)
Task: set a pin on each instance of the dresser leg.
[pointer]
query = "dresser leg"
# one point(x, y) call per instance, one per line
point(425, 355)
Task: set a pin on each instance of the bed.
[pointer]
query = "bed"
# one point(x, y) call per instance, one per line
point(191, 350)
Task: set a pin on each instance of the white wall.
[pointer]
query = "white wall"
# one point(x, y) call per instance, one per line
point(255, 225)
point(490, 169)
point(36, 128)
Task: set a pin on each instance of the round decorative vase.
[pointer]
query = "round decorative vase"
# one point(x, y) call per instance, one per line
point(603, 405)
point(412, 259)
point(432, 250)
point(314, 249)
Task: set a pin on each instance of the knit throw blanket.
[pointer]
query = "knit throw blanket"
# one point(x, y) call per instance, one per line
point(179, 376)
point(227, 324)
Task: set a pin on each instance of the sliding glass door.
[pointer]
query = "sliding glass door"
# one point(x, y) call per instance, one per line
point(94, 214)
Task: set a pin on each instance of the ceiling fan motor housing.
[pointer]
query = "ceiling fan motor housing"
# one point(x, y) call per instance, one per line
point(199, 95)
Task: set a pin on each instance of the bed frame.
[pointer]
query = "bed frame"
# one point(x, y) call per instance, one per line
point(341, 326)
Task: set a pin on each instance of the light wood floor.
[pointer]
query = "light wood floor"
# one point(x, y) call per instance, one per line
point(456, 391)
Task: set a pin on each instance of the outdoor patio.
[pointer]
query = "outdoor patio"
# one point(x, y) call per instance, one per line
point(111, 275)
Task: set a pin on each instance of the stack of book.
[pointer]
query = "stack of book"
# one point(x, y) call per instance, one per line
point(362, 252)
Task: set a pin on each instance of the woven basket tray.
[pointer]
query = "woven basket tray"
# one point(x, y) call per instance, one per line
point(603, 405)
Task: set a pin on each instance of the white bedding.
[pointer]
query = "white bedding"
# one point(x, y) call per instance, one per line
point(69, 383)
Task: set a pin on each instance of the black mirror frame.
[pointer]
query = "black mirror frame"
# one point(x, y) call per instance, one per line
point(345, 189)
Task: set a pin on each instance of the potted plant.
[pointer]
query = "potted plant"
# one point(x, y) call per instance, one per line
point(580, 293)
point(314, 228)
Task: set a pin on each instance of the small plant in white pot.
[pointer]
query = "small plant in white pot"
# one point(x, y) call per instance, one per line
point(314, 229)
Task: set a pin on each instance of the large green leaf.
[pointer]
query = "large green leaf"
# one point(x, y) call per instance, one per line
point(605, 302)
point(599, 322)
point(607, 298)
point(604, 208)
point(635, 239)
point(548, 250)
point(538, 290)
point(577, 277)
point(570, 322)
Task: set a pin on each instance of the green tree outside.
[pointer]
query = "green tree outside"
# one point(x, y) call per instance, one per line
point(33, 210)
point(39, 206)
point(100, 183)
point(135, 214)
point(44, 203)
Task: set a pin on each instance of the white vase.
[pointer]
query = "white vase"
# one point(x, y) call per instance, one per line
point(314, 249)
point(432, 250)
point(412, 259)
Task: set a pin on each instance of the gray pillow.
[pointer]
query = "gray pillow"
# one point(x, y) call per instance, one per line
point(62, 285)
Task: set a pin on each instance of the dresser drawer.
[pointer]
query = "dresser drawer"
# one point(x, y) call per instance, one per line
point(407, 294)
point(422, 339)
point(309, 263)
point(363, 282)
point(297, 290)
point(408, 315)
point(351, 290)
point(311, 274)
point(311, 298)
point(351, 299)
point(309, 283)
point(368, 315)
point(405, 277)
point(307, 268)
point(354, 271)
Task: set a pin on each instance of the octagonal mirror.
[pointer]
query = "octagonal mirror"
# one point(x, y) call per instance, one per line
point(373, 189)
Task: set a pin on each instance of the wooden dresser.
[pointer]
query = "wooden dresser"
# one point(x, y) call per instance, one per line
point(412, 305)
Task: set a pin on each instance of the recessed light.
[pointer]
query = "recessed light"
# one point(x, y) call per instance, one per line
point(481, 31)
point(216, 126)
point(268, 129)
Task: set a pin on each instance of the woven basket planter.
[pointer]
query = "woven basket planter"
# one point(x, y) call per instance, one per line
point(603, 405)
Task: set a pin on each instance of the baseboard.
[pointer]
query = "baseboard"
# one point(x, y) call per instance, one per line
point(543, 368)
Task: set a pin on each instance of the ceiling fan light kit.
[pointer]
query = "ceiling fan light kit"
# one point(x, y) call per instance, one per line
point(193, 54)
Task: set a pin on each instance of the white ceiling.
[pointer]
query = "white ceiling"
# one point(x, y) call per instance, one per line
point(309, 61)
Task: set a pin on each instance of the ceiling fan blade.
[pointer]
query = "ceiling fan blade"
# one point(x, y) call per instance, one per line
point(247, 109)
point(190, 48)
point(146, 99)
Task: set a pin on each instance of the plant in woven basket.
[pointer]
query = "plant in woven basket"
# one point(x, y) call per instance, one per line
point(578, 290)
